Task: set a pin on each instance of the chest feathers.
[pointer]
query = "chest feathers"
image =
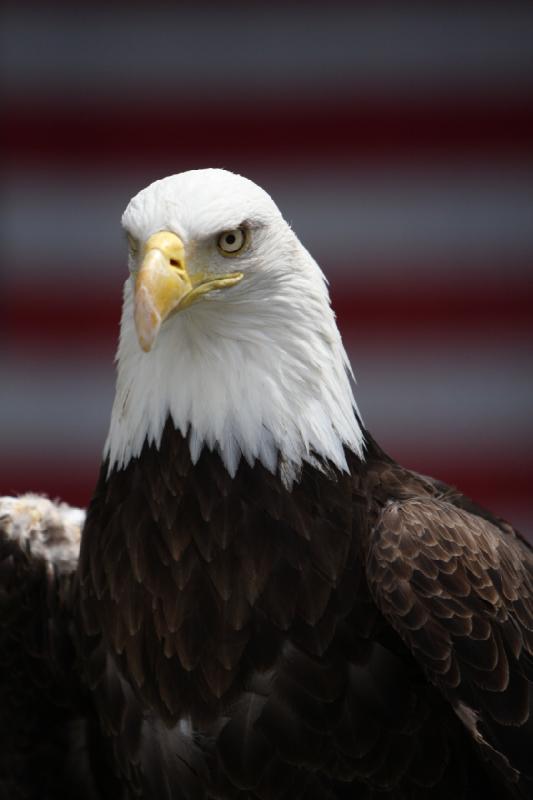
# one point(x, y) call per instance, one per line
point(196, 578)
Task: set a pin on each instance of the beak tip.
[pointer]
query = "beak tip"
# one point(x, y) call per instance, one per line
point(146, 346)
point(147, 320)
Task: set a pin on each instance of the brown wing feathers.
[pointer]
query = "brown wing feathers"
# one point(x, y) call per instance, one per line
point(51, 744)
point(459, 592)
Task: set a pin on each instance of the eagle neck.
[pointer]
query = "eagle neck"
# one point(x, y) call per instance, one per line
point(259, 381)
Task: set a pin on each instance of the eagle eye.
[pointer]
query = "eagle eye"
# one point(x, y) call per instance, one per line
point(230, 243)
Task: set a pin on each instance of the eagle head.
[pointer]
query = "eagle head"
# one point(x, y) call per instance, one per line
point(227, 329)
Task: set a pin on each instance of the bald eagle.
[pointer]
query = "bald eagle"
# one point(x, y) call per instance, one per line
point(264, 604)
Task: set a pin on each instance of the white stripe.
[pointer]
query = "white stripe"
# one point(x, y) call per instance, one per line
point(250, 50)
point(447, 397)
point(439, 402)
point(354, 219)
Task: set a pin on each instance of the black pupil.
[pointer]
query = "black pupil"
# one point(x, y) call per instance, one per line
point(230, 238)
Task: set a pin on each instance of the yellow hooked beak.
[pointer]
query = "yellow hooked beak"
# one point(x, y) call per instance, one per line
point(163, 285)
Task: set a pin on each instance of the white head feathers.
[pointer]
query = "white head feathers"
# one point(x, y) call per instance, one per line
point(257, 370)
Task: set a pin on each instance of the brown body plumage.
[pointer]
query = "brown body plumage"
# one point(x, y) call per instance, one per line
point(313, 640)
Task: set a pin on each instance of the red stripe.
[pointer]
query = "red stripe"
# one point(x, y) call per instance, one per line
point(90, 316)
point(183, 134)
point(496, 483)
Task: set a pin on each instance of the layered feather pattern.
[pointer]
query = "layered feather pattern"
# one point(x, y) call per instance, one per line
point(243, 615)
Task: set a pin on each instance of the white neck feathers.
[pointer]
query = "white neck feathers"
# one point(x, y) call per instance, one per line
point(261, 374)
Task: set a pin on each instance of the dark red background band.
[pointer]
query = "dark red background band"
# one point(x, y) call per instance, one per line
point(97, 131)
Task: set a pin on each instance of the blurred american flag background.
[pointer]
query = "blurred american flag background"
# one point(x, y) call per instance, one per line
point(395, 137)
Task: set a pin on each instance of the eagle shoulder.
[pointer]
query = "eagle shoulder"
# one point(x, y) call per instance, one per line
point(44, 722)
point(458, 589)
